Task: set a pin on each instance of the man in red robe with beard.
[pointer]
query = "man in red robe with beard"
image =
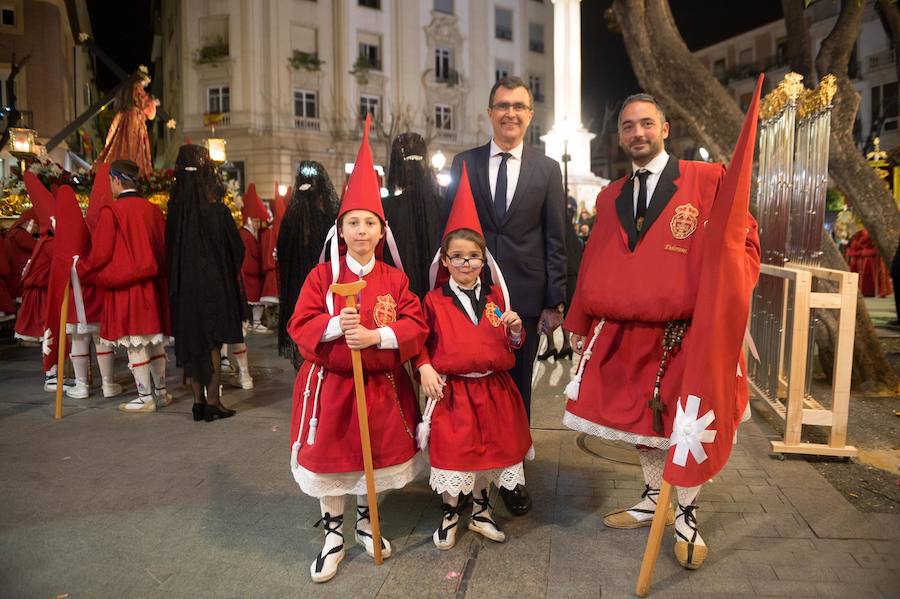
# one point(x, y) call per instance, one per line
point(633, 303)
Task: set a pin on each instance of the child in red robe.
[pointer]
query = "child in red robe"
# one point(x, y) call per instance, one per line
point(388, 329)
point(36, 275)
point(254, 213)
point(478, 426)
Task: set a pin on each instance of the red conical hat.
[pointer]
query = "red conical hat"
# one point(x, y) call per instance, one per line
point(463, 214)
point(72, 236)
point(363, 191)
point(253, 205)
point(26, 216)
point(101, 195)
point(41, 199)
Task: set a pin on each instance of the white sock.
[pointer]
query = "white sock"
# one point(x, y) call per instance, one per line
point(257, 314)
point(686, 497)
point(652, 463)
point(158, 359)
point(363, 502)
point(50, 373)
point(81, 356)
point(239, 351)
point(481, 485)
point(139, 363)
point(105, 358)
point(333, 506)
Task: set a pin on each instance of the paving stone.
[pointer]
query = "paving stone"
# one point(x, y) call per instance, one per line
point(211, 510)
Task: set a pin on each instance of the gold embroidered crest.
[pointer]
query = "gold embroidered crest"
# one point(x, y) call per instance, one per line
point(684, 222)
point(490, 312)
point(385, 311)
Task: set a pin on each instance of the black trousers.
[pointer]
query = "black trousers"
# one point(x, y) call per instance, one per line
point(522, 371)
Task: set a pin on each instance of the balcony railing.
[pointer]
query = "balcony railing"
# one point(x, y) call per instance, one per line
point(306, 123)
point(503, 33)
point(536, 46)
point(881, 60)
point(446, 135)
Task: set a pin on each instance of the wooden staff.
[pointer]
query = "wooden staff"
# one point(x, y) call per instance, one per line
point(61, 354)
point(349, 291)
point(651, 551)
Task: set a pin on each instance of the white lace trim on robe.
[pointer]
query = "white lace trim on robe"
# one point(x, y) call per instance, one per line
point(315, 484)
point(576, 423)
point(137, 340)
point(455, 482)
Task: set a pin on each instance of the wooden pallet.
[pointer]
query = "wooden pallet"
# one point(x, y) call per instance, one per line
point(794, 405)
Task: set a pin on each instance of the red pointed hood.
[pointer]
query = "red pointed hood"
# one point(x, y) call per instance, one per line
point(101, 195)
point(363, 191)
point(26, 216)
point(463, 214)
point(72, 236)
point(253, 205)
point(41, 199)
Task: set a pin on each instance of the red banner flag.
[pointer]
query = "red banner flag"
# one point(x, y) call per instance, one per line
point(713, 392)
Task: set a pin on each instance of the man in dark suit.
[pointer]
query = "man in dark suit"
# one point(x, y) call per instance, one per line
point(522, 208)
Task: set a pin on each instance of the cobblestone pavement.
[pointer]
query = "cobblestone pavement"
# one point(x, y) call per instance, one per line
point(105, 504)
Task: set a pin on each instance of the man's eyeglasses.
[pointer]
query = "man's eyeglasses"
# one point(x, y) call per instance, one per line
point(459, 261)
point(517, 107)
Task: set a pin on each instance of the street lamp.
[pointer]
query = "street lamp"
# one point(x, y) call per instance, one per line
point(282, 190)
point(566, 130)
point(216, 147)
point(24, 145)
point(438, 160)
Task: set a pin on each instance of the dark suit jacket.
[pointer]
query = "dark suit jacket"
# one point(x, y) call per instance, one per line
point(529, 244)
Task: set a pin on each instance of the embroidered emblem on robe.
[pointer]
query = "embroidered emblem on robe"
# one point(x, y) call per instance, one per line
point(490, 312)
point(684, 222)
point(385, 311)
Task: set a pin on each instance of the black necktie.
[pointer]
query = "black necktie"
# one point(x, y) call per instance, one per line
point(500, 189)
point(472, 294)
point(641, 211)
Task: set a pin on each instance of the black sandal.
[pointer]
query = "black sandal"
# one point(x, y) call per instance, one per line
point(331, 525)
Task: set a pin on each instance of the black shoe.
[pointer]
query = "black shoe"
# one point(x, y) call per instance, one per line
point(211, 412)
point(550, 353)
point(565, 354)
point(517, 501)
point(198, 409)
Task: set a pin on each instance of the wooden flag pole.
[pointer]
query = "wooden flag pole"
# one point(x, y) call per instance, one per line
point(61, 354)
point(349, 291)
point(651, 551)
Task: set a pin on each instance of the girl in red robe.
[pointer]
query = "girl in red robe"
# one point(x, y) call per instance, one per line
point(388, 329)
point(478, 426)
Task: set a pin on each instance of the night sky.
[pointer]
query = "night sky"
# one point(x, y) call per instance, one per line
point(607, 76)
point(123, 30)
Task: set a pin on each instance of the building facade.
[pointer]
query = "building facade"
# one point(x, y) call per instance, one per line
point(292, 80)
point(55, 82)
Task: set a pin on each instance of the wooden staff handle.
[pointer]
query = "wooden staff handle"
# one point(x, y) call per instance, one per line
point(61, 354)
point(349, 291)
point(654, 540)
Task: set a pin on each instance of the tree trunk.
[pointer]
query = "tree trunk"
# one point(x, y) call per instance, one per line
point(799, 47)
point(870, 197)
point(666, 68)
